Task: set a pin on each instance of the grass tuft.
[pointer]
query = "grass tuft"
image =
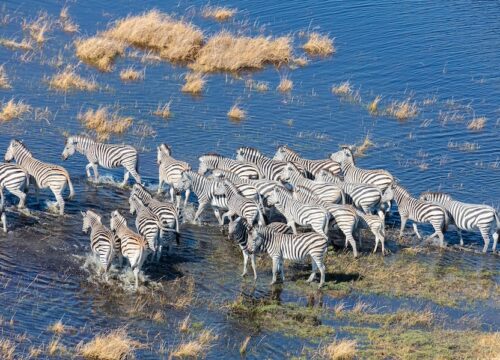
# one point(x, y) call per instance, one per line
point(373, 106)
point(7, 349)
point(111, 346)
point(105, 122)
point(69, 80)
point(24, 44)
point(195, 348)
point(184, 324)
point(13, 110)
point(99, 52)
point(342, 89)
point(38, 28)
point(319, 45)
point(130, 74)
point(163, 110)
point(367, 143)
point(403, 110)
point(4, 79)
point(66, 23)
point(339, 350)
point(194, 83)
point(55, 347)
point(57, 327)
point(235, 113)
point(219, 13)
point(300, 61)
point(35, 352)
point(285, 85)
point(477, 124)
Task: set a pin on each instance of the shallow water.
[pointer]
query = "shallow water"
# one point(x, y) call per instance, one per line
point(446, 52)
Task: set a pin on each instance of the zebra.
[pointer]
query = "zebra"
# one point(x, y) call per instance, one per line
point(238, 204)
point(133, 245)
point(312, 167)
point(102, 240)
point(364, 196)
point(15, 180)
point(238, 231)
point(328, 192)
point(468, 217)
point(419, 211)
point(170, 171)
point(45, 175)
point(108, 156)
point(205, 191)
point(245, 186)
point(375, 224)
point(243, 169)
point(291, 247)
point(344, 215)
point(296, 212)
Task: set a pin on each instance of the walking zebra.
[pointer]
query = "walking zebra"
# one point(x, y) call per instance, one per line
point(344, 215)
point(238, 231)
point(468, 217)
point(170, 171)
point(205, 191)
point(245, 186)
point(312, 167)
point(45, 175)
point(291, 247)
point(419, 211)
point(133, 245)
point(328, 192)
point(108, 156)
point(238, 204)
point(302, 214)
point(102, 240)
point(15, 180)
point(375, 224)
point(242, 169)
point(366, 197)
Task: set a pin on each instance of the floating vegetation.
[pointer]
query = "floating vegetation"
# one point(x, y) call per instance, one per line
point(227, 52)
point(175, 40)
point(339, 350)
point(113, 345)
point(285, 85)
point(477, 124)
point(402, 110)
point(373, 106)
point(4, 79)
point(197, 347)
point(194, 83)
point(68, 79)
point(24, 44)
point(131, 74)
point(105, 122)
point(235, 113)
point(163, 110)
point(219, 13)
point(318, 44)
point(13, 110)
point(261, 86)
point(99, 51)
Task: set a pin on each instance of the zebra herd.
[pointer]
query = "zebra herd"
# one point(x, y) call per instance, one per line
point(323, 195)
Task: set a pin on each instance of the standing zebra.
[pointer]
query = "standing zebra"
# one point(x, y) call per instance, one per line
point(238, 204)
point(328, 192)
point(344, 215)
point(419, 211)
point(107, 155)
point(15, 180)
point(243, 169)
point(133, 245)
point(170, 171)
point(238, 231)
point(291, 247)
point(312, 167)
point(468, 217)
point(296, 212)
point(45, 175)
point(245, 186)
point(375, 224)
point(102, 240)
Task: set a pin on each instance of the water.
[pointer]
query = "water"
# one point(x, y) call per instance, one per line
point(445, 53)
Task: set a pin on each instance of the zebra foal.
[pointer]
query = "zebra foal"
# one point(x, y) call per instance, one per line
point(15, 180)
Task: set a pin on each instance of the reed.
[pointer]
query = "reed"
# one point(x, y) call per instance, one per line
point(163, 110)
point(110, 346)
point(342, 89)
point(131, 74)
point(318, 44)
point(13, 110)
point(403, 110)
point(24, 44)
point(194, 83)
point(477, 124)
point(38, 28)
point(99, 51)
point(58, 327)
point(67, 24)
point(285, 85)
point(373, 106)
point(105, 122)
point(244, 345)
point(195, 348)
point(219, 13)
point(68, 79)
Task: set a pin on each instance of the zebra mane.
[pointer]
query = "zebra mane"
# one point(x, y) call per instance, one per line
point(402, 189)
point(91, 214)
point(249, 149)
point(212, 154)
point(21, 145)
point(436, 195)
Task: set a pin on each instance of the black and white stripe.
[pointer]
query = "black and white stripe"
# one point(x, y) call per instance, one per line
point(375, 224)
point(108, 156)
point(3, 218)
point(170, 171)
point(469, 217)
point(312, 167)
point(245, 186)
point(44, 175)
point(242, 169)
point(15, 180)
point(290, 247)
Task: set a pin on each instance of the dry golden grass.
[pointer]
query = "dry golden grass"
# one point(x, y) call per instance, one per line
point(4, 79)
point(66, 23)
point(13, 110)
point(194, 83)
point(477, 124)
point(488, 346)
point(339, 350)
point(235, 113)
point(105, 122)
point(195, 348)
point(226, 52)
point(300, 61)
point(7, 349)
point(158, 317)
point(373, 106)
point(38, 28)
point(163, 110)
point(219, 13)
point(16, 45)
point(285, 85)
point(35, 352)
point(69, 80)
point(55, 347)
point(403, 110)
point(175, 40)
point(130, 74)
point(115, 345)
point(342, 89)
point(244, 345)
point(57, 327)
point(319, 45)
point(99, 51)
point(184, 324)
point(361, 149)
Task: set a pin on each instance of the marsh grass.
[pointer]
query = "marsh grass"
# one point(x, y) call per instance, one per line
point(68, 79)
point(318, 44)
point(218, 13)
point(13, 110)
point(67, 24)
point(403, 110)
point(55, 347)
point(159, 317)
point(24, 44)
point(105, 122)
point(174, 40)
point(464, 146)
point(7, 349)
point(345, 91)
point(57, 328)
point(260, 86)
point(99, 52)
point(163, 110)
point(477, 124)
point(4, 79)
point(131, 74)
point(285, 85)
point(227, 52)
point(35, 352)
point(197, 347)
point(236, 113)
point(373, 106)
point(300, 61)
point(244, 345)
point(115, 344)
point(38, 28)
point(194, 83)
point(339, 350)
point(361, 149)
point(184, 324)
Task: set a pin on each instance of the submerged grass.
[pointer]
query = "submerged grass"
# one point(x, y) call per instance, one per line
point(318, 44)
point(7, 349)
point(68, 79)
point(99, 51)
point(66, 24)
point(13, 110)
point(477, 124)
point(219, 13)
point(114, 345)
point(24, 44)
point(285, 85)
point(38, 28)
point(105, 122)
point(163, 110)
point(57, 327)
point(373, 106)
point(403, 110)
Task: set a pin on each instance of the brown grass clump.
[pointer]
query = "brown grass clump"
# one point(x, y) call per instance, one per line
point(477, 124)
point(342, 89)
point(340, 350)
point(235, 113)
point(194, 83)
point(99, 51)
point(373, 106)
point(319, 45)
point(24, 44)
point(57, 327)
point(38, 28)
point(285, 85)
point(69, 80)
point(55, 347)
point(105, 122)
point(4, 79)
point(175, 40)
point(7, 349)
point(184, 325)
point(130, 74)
point(226, 52)
point(163, 110)
point(195, 348)
point(219, 13)
point(114, 345)
point(13, 110)
point(403, 110)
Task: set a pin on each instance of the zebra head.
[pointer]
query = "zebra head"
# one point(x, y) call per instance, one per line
point(287, 171)
point(438, 197)
point(220, 187)
point(273, 198)
point(14, 147)
point(255, 240)
point(69, 148)
point(89, 218)
point(135, 203)
point(161, 150)
point(235, 228)
point(246, 153)
point(327, 176)
point(340, 155)
point(117, 221)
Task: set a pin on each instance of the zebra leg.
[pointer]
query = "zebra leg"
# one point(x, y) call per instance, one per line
point(495, 240)
point(486, 238)
point(201, 207)
point(219, 218)
point(291, 224)
point(135, 175)
point(96, 173)
point(351, 240)
point(282, 269)
point(160, 185)
point(403, 223)
point(381, 214)
point(254, 267)
point(3, 219)
point(459, 232)
point(416, 230)
point(186, 197)
point(275, 269)
point(245, 262)
point(314, 268)
point(87, 169)
point(125, 178)
point(60, 202)
point(136, 276)
point(37, 193)
point(322, 269)
point(171, 191)
point(21, 195)
point(376, 244)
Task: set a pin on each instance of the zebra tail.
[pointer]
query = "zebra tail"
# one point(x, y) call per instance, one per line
point(326, 226)
point(71, 189)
